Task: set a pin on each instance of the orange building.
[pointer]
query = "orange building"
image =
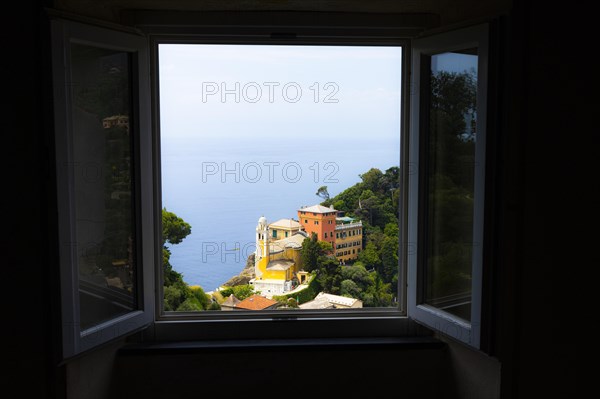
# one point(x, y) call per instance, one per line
point(320, 220)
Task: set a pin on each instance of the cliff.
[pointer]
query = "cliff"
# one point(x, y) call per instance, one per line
point(245, 275)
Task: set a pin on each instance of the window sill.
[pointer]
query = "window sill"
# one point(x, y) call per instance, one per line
point(192, 347)
point(334, 326)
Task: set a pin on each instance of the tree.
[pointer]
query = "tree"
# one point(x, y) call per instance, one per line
point(379, 292)
point(315, 256)
point(190, 305)
point(340, 205)
point(323, 193)
point(178, 296)
point(391, 230)
point(389, 258)
point(369, 257)
point(372, 180)
point(203, 299)
point(174, 228)
point(357, 274)
point(391, 178)
point(241, 292)
point(329, 275)
point(350, 288)
point(310, 252)
point(173, 297)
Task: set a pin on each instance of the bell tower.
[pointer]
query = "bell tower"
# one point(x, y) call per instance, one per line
point(262, 245)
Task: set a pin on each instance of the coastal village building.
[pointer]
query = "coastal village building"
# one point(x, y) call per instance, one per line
point(230, 303)
point(320, 220)
point(345, 234)
point(278, 245)
point(330, 301)
point(284, 228)
point(256, 302)
point(348, 238)
point(276, 263)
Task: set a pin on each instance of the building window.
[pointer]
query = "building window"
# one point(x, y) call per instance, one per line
point(274, 233)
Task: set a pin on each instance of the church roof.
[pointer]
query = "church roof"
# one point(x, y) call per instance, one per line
point(286, 223)
point(280, 264)
point(294, 241)
point(317, 209)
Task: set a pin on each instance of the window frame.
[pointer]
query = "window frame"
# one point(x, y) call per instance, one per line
point(155, 28)
point(64, 32)
point(386, 322)
point(439, 320)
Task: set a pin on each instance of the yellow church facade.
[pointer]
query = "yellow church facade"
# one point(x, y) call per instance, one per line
point(276, 262)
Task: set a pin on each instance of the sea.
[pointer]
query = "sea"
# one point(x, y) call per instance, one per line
point(222, 188)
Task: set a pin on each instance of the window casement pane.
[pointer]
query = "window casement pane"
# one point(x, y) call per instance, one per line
point(103, 182)
point(447, 137)
point(449, 181)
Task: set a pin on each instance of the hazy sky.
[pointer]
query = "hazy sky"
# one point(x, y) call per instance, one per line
point(365, 81)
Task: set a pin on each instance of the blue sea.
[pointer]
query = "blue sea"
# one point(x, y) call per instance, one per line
point(221, 188)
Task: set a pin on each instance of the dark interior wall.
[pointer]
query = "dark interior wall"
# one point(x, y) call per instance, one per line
point(472, 373)
point(549, 121)
point(450, 11)
point(537, 349)
point(288, 372)
point(26, 316)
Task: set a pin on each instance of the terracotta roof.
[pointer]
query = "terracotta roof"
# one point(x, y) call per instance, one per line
point(317, 209)
point(256, 302)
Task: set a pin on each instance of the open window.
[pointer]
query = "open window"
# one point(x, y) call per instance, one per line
point(111, 183)
point(446, 192)
point(104, 189)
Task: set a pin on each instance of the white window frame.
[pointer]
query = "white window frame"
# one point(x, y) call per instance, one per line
point(385, 322)
point(444, 322)
point(64, 32)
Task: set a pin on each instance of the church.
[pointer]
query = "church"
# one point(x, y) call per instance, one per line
point(277, 263)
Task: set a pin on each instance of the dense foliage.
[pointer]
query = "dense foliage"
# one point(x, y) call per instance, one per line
point(373, 278)
point(178, 295)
